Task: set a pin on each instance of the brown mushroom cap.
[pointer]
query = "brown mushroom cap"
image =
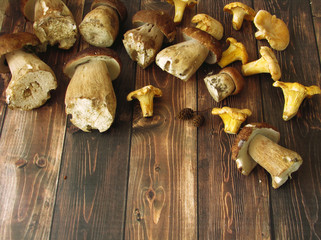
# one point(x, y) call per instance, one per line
point(93, 54)
point(207, 40)
point(116, 4)
point(249, 12)
point(160, 19)
point(27, 7)
point(236, 77)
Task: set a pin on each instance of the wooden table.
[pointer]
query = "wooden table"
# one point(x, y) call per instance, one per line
point(162, 178)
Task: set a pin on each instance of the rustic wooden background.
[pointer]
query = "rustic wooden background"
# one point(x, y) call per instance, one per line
point(161, 178)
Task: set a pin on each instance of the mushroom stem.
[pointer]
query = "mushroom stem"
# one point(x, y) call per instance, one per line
point(147, 105)
point(238, 17)
point(220, 86)
point(179, 10)
point(255, 67)
point(277, 160)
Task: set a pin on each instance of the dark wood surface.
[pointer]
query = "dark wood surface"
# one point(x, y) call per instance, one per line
point(162, 178)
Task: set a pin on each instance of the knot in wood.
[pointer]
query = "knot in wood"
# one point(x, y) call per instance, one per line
point(21, 163)
point(151, 194)
point(41, 162)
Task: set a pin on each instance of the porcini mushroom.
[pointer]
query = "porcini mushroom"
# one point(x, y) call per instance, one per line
point(100, 26)
point(294, 94)
point(273, 29)
point(54, 23)
point(32, 79)
point(90, 96)
point(227, 82)
point(266, 64)
point(145, 97)
point(240, 11)
point(208, 24)
point(180, 6)
point(183, 59)
point(232, 118)
point(236, 51)
point(143, 43)
point(257, 144)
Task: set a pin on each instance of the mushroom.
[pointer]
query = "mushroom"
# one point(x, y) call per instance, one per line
point(208, 24)
point(31, 78)
point(227, 82)
point(294, 94)
point(266, 64)
point(257, 144)
point(145, 97)
point(240, 11)
point(100, 26)
point(143, 43)
point(90, 96)
point(273, 29)
point(180, 6)
point(183, 59)
point(236, 51)
point(54, 23)
point(232, 118)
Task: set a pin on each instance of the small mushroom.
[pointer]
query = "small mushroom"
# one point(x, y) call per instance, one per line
point(145, 97)
point(100, 26)
point(257, 144)
point(54, 23)
point(266, 64)
point(183, 59)
point(294, 94)
point(90, 96)
point(272, 29)
point(227, 82)
point(143, 43)
point(180, 6)
point(232, 118)
point(240, 11)
point(208, 24)
point(31, 78)
point(236, 51)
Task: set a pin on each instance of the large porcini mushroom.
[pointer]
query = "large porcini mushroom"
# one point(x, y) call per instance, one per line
point(273, 29)
point(232, 118)
point(90, 96)
point(143, 43)
point(145, 96)
point(32, 79)
point(227, 82)
point(257, 144)
point(294, 94)
point(266, 64)
point(183, 59)
point(236, 51)
point(100, 26)
point(54, 23)
point(180, 6)
point(240, 11)
point(209, 25)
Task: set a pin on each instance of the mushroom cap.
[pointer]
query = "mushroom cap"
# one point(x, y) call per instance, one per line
point(160, 19)
point(190, 3)
point(27, 8)
point(115, 4)
point(94, 54)
point(273, 29)
point(209, 25)
point(14, 41)
point(236, 77)
point(235, 113)
point(149, 89)
point(249, 12)
point(272, 62)
point(207, 40)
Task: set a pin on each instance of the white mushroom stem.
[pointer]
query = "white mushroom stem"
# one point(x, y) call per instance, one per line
point(90, 97)
point(277, 160)
point(31, 81)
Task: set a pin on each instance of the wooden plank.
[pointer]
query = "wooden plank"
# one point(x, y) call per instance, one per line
point(317, 28)
point(316, 8)
point(295, 206)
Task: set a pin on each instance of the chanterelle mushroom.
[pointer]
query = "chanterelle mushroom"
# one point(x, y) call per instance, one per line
point(146, 96)
point(272, 29)
point(294, 94)
point(227, 82)
point(209, 25)
point(266, 64)
point(183, 59)
point(232, 118)
point(240, 12)
point(180, 6)
point(90, 96)
point(100, 26)
point(143, 43)
point(257, 144)
point(236, 51)
point(32, 79)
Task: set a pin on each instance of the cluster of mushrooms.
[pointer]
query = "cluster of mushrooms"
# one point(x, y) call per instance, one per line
point(94, 106)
